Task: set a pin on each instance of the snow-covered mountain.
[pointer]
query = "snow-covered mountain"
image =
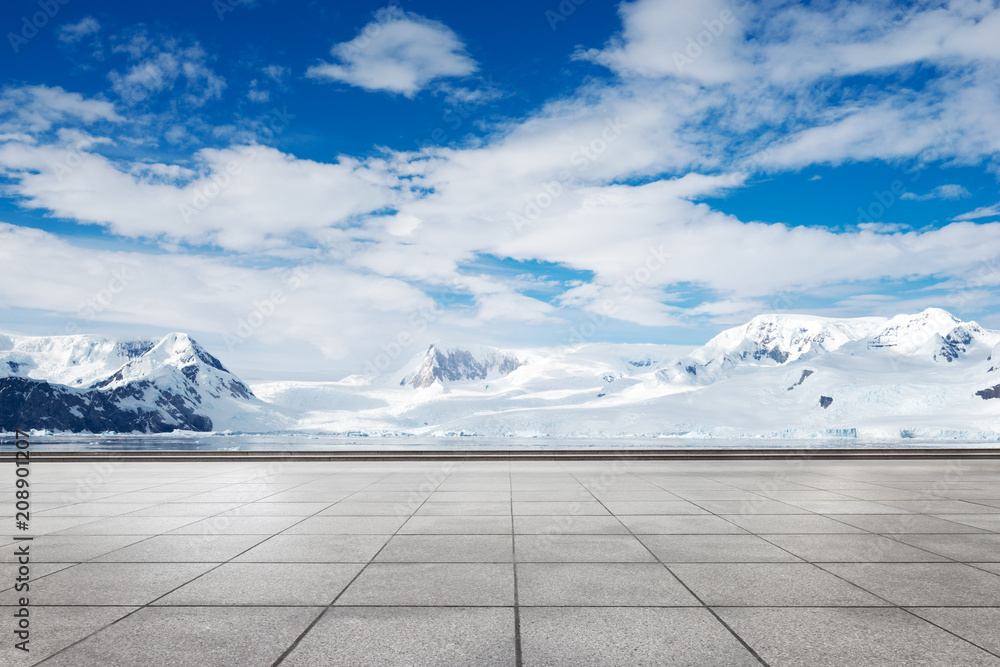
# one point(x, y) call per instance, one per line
point(776, 340)
point(768, 340)
point(923, 375)
point(926, 375)
point(445, 364)
point(97, 383)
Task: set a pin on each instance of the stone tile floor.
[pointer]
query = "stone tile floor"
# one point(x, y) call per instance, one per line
point(574, 563)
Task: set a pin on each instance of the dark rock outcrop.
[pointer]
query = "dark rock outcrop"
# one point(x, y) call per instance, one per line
point(955, 344)
point(36, 404)
point(805, 374)
point(989, 392)
point(825, 401)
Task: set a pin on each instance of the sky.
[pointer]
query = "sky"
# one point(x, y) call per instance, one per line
point(315, 189)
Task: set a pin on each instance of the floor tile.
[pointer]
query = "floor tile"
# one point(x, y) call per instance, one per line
point(653, 507)
point(900, 524)
point(923, 584)
point(677, 524)
point(341, 525)
point(394, 636)
point(55, 628)
point(823, 637)
point(266, 584)
point(581, 548)
point(715, 549)
point(600, 585)
point(193, 637)
point(963, 548)
point(846, 548)
point(979, 625)
point(183, 549)
point(69, 548)
point(770, 584)
point(118, 584)
point(627, 637)
point(448, 549)
point(457, 525)
point(432, 584)
point(315, 549)
point(568, 525)
point(810, 523)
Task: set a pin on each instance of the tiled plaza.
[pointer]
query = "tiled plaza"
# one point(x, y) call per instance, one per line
point(575, 563)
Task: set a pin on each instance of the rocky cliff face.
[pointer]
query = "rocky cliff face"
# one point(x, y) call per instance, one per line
point(458, 364)
point(135, 407)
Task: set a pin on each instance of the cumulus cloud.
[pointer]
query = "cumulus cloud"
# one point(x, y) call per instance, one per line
point(74, 32)
point(399, 52)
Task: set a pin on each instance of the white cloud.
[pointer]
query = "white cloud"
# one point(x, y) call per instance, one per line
point(948, 191)
point(276, 73)
point(35, 109)
point(74, 32)
point(255, 94)
point(243, 198)
point(158, 64)
point(319, 306)
point(981, 212)
point(399, 52)
point(676, 38)
point(793, 43)
point(783, 87)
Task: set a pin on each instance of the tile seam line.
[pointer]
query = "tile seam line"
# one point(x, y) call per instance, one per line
point(518, 648)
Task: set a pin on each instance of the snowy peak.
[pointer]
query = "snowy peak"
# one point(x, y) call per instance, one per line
point(176, 361)
point(76, 361)
point(776, 340)
point(908, 333)
point(769, 340)
point(457, 364)
point(934, 332)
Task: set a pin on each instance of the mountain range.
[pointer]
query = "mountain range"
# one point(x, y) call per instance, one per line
point(928, 375)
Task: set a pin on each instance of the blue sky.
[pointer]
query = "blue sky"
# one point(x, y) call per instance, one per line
point(304, 186)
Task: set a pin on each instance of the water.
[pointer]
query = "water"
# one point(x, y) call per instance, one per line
point(222, 442)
